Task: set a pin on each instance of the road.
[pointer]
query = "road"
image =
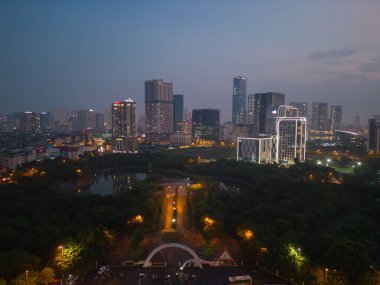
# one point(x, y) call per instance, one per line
point(207, 276)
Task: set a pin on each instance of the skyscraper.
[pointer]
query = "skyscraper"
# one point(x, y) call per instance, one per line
point(265, 111)
point(239, 100)
point(250, 109)
point(302, 108)
point(373, 142)
point(124, 126)
point(335, 118)
point(99, 123)
point(159, 109)
point(86, 120)
point(206, 124)
point(319, 117)
point(177, 112)
point(290, 136)
point(30, 123)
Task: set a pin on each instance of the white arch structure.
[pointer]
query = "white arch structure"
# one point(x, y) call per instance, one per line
point(196, 259)
point(189, 261)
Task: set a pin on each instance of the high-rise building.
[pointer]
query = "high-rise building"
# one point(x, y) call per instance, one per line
point(239, 100)
point(250, 109)
point(124, 137)
point(335, 118)
point(99, 123)
point(30, 123)
point(302, 108)
point(290, 139)
point(319, 117)
point(265, 111)
point(177, 112)
point(206, 124)
point(86, 120)
point(159, 109)
point(373, 141)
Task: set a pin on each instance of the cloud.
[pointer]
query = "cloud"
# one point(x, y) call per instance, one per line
point(333, 56)
point(373, 66)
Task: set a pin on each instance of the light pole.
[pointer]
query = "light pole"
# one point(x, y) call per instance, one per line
point(61, 247)
point(26, 276)
point(326, 271)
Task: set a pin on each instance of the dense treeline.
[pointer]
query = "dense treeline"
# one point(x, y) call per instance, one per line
point(34, 223)
point(333, 225)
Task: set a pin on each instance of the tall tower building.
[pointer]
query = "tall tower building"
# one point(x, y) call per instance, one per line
point(373, 142)
point(265, 111)
point(124, 126)
point(250, 109)
point(86, 120)
point(30, 123)
point(177, 112)
point(290, 136)
point(335, 118)
point(239, 100)
point(302, 108)
point(159, 109)
point(319, 117)
point(206, 124)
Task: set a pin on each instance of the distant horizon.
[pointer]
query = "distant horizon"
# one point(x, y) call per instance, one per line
point(86, 54)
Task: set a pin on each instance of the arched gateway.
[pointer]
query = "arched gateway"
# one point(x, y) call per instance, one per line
point(147, 262)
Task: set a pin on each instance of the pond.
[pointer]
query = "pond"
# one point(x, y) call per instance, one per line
point(116, 181)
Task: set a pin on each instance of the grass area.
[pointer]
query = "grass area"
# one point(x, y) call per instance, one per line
point(344, 170)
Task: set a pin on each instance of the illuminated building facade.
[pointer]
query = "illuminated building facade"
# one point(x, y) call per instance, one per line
point(158, 109)
point(124, 137)
point(239, 100)
point(256, 150)
point(290, 139)
point(302, 108)
point(319, 117)
point(206, 124)
point(335, 118)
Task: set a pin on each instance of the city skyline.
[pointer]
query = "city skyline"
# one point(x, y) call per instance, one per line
point(67, 55)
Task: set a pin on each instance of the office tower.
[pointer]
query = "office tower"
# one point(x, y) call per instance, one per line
point(206, 124)
point(290, 139)
point(86, 120)
point(373, 141)
point(257, 150)
point(239, 100)
point(265, 111)
point(335, 118)
point(302, 108)
point(319, 117)
point(124, 126)
point(177, 112)
point(158, 109)
point(250, 109)
point(99, 122)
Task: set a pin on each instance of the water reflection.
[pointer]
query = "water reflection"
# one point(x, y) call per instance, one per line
point(116, 181)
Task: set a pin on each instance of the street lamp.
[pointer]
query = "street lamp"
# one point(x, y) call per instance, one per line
point(26, 275)
point(326, 270)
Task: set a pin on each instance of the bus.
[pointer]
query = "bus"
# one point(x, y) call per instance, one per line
point(241, 280)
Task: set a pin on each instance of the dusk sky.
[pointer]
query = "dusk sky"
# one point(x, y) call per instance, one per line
point(86, 54)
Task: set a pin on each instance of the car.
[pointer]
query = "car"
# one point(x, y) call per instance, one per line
point(142, 275)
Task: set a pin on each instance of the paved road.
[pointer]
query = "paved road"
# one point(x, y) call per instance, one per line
point(207, 276)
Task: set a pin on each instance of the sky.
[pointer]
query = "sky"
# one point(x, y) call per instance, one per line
point(57, 55)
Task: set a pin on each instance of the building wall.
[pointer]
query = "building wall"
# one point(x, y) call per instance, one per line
point(159, 106)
